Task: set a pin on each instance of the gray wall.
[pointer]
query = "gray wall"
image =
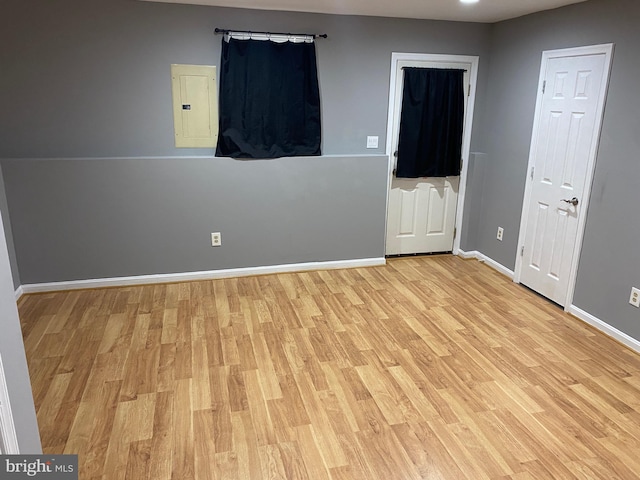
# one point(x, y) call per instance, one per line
point(473, 200)
point(81, 219)
point(609, 266)
point(91, 78)
point(87, 83)
point(8, 233)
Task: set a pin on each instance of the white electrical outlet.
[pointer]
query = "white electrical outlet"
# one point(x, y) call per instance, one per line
point(216, 239)
point(634, 299)
point(372, 142)
point(500, 233)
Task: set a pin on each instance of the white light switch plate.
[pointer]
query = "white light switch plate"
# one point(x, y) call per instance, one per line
point(372, 142)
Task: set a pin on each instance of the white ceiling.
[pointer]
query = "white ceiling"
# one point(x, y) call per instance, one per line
point(487, 11)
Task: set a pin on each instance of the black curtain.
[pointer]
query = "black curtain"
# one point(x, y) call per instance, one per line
point(269, 102)
point(431, 123)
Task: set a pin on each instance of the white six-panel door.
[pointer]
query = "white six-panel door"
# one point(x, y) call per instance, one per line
point(562, 155)
point(421, 215)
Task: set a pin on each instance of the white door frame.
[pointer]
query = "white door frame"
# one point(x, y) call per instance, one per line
point(607, 50)
point(8, 437)
point(466, 136)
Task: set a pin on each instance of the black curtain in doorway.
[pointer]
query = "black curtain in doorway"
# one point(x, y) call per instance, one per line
point(431, 123)
point(269, 99)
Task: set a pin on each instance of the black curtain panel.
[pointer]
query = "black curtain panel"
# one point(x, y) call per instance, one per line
point(269, 104)
point(431, 123)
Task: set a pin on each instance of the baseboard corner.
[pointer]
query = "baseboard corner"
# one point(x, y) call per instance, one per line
point(468, 255)
point(481, 257)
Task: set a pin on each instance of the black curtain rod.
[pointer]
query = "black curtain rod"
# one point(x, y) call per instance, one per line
point(249, 32)
point(437, 68)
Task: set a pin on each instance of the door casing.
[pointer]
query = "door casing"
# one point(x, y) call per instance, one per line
point(8, 437)
point(468, 125)
point(607, 50)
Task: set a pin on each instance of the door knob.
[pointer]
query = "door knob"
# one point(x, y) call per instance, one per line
point(574, 201)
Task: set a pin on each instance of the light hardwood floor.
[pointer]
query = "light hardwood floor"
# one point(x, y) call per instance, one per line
point(433, 367)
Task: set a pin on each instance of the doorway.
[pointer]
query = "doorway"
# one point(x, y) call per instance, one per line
point(569, 110)
point(425, 214)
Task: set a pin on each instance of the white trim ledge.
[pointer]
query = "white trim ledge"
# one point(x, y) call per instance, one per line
point(605, 328)
point(373, 153)
point(194, 276)
point(481, 257)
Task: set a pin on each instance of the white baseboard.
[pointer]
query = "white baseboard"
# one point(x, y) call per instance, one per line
point(19, 292)
point(481, 257)
point(191, 276)
point(605, 328)
point(468, 255)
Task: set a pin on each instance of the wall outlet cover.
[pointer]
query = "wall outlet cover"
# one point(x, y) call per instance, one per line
point(216, 239)
point(634, 299)
point(372, 142)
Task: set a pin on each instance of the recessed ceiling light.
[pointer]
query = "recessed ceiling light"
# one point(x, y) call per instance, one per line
point(469, 1)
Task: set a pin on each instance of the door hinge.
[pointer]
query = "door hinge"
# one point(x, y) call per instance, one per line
point(544, 87)
point(455, 232)
point(533, 169)
point(469, 91)
point(522, 251)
